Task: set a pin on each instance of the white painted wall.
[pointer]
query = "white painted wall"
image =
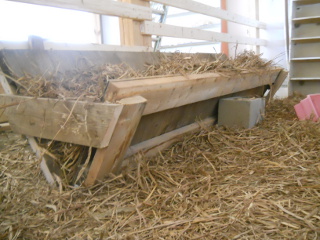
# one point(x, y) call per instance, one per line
point(244, 8)
point(275, 32)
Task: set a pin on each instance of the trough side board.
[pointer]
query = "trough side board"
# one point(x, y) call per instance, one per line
point(78, 122)
point(171, 92)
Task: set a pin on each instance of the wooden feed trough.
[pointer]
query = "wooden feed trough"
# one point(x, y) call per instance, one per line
point(139, 115)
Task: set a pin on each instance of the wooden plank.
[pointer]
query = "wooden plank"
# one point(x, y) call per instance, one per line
point(190, 44)
point(35, 42)
point(48, 165)
point(306, 59)
point(76, 47)
point(95, 47)
point(305, 30)
point(198, 7)
point(306, 1)
point(277, 84)
point(306, 39)
point(182, 90)
point(309, 50)
point(160, 29)
point(304, 69)
point(159, 123)
point(105, 7)
point(13, 45)
point(3, 117)
point(5, 86)
point(305, 79)
point(47, 63)
point(155, 145)
point(4, 127)
point(97, 28)
point(19, 62)
point(302, 20)
point(304, 87)
point(107, 160)
point(130, 34)
point(306, 10)
point(78, 122)
point(224, 28)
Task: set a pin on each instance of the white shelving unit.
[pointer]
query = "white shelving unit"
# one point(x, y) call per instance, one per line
point(305, 47)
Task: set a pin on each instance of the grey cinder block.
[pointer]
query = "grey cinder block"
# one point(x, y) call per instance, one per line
point(240, 112)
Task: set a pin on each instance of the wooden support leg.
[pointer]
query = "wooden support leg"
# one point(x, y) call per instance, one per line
point(277, 84)
point(107, 160)
point(4, 127)
point(48, 165)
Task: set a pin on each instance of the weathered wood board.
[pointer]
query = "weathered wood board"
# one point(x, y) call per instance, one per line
point(130, 34)
point(155, 145)
point(45, 62)
point(84, 123)
point(170, 92)
point(4, 127)
point(106, 7)
point(107, 160)
point(3, 117)
point(156, 124)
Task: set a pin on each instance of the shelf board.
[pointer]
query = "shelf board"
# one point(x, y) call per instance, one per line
point(306, 1)
point(305, 79)
point(306, 39)
point(306, 59)
point(313, 19)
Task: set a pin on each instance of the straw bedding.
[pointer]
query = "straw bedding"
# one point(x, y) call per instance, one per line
point(262, 183)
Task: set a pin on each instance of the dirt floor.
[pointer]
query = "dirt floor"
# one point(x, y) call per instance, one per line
point(262, 183)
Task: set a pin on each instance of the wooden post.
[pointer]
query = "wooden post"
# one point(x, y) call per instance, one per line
point(97, 28)
point(224, 29)
point(3, 117)
point(107, 160)
point(274, 87)
point(130, 33)
point(35, 42)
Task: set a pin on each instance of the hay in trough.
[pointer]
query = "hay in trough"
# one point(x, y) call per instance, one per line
point(90, 84)
point(261, 183)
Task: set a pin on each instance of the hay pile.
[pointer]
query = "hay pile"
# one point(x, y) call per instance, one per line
point(91, 84)
point(262, 183)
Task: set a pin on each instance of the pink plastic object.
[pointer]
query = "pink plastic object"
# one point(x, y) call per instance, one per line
point(309, 108)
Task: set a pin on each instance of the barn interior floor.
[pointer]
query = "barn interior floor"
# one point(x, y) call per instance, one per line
point(262, 183)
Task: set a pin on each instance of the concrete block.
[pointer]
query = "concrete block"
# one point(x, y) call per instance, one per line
point(240, 112)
